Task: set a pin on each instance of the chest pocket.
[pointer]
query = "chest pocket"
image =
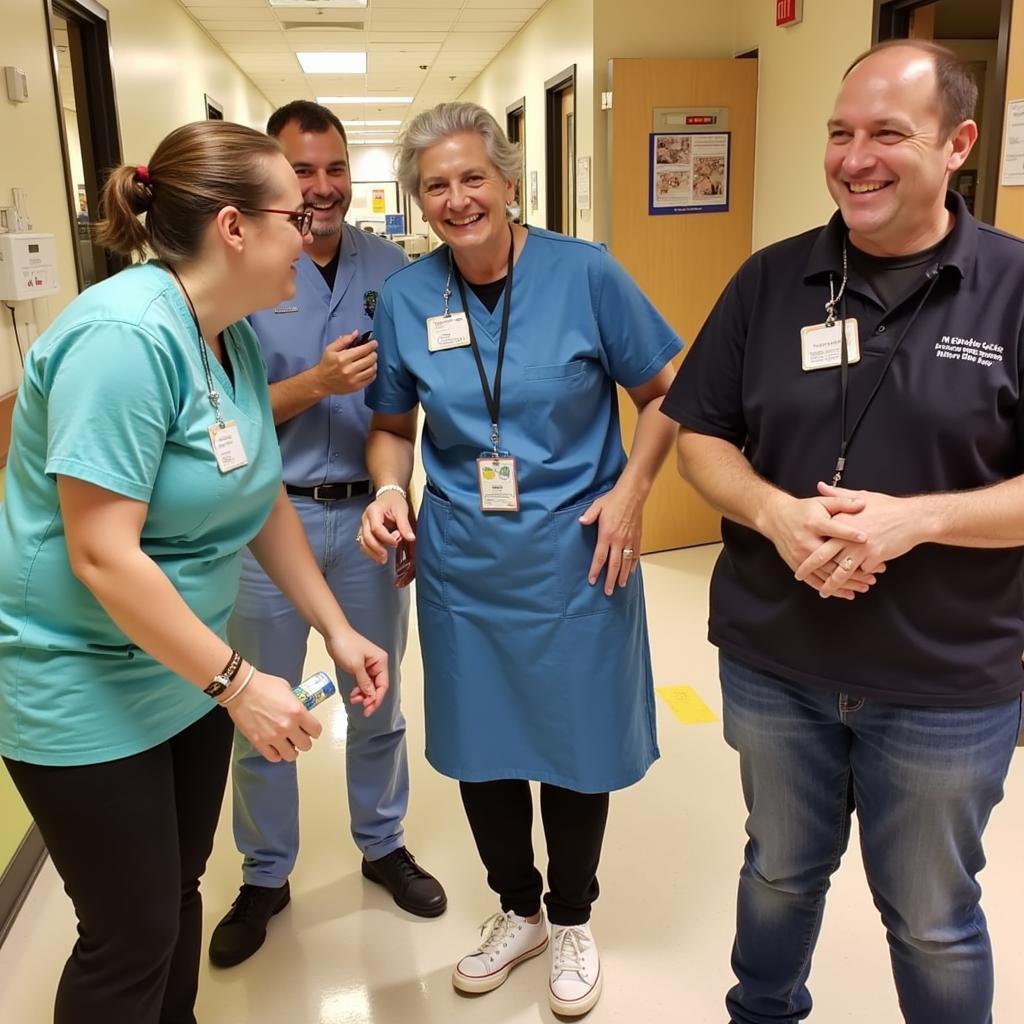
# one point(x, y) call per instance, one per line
point(555, 371)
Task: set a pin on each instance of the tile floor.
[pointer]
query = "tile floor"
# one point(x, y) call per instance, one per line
point(342, 953)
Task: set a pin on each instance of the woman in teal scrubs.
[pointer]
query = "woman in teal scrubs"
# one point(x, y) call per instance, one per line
point(530, 601)
point(143, 460)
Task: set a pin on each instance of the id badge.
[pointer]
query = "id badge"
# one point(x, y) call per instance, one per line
point(821, 346)
point(445, 332)
point(227, 447)
point(499, 488)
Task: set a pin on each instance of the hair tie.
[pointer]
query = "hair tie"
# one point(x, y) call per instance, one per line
point(142, 173)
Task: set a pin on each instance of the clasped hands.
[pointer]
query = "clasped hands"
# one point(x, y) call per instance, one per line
point(838, 542)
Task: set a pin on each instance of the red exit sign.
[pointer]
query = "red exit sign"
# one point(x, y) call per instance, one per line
point(788, 12)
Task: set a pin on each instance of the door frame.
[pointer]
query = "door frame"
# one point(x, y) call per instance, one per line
point(553, 89)
point(514, 111)
point(891, 20)
point(94, 89)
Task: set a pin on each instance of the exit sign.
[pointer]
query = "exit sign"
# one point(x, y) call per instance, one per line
point(788, 12)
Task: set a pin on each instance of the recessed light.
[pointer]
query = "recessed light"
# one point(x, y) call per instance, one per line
point(338, 100)
point(333, 63)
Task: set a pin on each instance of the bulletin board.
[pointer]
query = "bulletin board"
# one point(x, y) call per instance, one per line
point(372, 201)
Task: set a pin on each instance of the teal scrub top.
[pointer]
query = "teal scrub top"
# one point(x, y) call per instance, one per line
point(114, 393)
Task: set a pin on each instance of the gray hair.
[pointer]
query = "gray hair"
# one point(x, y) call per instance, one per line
point(432, 126)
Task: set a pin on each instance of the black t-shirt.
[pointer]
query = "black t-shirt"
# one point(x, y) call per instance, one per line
point(944, 626)
point(893, 279)
point(490, 293)
point(329, 271)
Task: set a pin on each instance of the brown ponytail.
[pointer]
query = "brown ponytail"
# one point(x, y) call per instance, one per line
point(195, 172)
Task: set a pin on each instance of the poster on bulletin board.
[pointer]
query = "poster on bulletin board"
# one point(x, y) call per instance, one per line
point(689, 172)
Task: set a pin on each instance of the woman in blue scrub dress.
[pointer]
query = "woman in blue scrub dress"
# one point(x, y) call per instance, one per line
point(529, 596)
point(143, 460)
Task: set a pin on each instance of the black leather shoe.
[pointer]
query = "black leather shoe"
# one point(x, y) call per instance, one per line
point(413, 889)
point(243, 928)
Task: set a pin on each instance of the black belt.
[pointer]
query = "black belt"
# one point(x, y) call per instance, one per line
point(331, 492)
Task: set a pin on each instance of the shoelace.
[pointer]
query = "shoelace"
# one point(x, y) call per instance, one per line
point(494, 931)
point(568, 955)
point(406, 864)
point(246, 904)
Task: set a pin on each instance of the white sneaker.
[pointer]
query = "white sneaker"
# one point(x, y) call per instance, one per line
point(507, 940)
point(575, 970)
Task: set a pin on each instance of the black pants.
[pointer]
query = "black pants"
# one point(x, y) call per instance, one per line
point(130, 839)
point(501, 818)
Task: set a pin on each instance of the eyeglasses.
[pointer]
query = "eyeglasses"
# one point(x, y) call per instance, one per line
point(302, 219)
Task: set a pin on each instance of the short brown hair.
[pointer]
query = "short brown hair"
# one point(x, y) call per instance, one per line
point(195, 172)
point(955, 88)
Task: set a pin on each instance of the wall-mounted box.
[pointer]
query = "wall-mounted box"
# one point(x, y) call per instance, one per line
point(28, 266)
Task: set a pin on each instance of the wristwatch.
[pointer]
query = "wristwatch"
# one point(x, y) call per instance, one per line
point(223, 679)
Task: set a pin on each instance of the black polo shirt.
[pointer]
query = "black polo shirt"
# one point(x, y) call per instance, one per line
point(944, 626)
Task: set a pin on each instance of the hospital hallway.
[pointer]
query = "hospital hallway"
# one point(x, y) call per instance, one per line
point(343, 953)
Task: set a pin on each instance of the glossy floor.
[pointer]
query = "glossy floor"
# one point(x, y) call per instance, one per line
point(342, 953)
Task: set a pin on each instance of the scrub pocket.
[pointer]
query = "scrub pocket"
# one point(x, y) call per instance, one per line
point(576, 544)
point(432, 549)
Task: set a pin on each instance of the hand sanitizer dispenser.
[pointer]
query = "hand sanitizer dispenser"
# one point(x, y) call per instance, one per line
point(28, 266)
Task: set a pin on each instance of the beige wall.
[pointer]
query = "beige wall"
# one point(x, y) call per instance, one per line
point(163, 63)
point(649, 28)
point(799, 72)
point(1010, 200)
point(560, 35)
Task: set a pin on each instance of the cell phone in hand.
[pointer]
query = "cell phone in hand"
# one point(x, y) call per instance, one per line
point(315, 690)
point(364, 337)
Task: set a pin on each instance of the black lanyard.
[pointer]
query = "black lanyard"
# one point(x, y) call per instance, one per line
point(845, 439)
point(493, 399)
point(211, 388)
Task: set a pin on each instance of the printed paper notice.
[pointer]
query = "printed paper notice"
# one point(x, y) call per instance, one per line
point(689, 172)
point(686, 705)
point(1013, 146)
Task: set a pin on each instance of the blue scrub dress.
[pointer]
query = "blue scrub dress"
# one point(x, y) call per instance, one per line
point(531, 673)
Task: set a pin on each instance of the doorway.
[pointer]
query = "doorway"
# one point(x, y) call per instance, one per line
point(977, 31)
point(87, 119)
point(560, 134)
point(515, 130)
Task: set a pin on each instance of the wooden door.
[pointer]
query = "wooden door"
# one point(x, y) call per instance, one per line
point(682, 261)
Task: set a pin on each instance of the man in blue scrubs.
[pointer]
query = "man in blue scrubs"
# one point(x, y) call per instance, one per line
point(318, 369)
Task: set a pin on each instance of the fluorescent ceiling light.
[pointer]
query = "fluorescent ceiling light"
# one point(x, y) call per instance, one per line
point(338, 100)
point(371, 142)
point(379, 124)
point(317, 3)
point(333, 63)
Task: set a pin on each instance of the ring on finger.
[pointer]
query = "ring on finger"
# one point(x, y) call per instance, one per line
point(627, 552)
point(359, 537)
point(846, 564)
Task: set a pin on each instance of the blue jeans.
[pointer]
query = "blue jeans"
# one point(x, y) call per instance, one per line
point(268, 631)
point(923, 781)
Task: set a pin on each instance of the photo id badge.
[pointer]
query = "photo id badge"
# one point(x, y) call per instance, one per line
point(227, 447)
point(445, 332)
point(499, 488)
point(821, 345)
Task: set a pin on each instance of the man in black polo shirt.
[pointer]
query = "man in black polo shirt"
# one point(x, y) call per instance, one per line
point(883, 353)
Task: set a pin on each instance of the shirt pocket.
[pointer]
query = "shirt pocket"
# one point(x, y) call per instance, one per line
point(576, 544)
point(432, 543)
point(554, 371)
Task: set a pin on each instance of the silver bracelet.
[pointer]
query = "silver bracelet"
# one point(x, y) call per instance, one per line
point(245, 682)
point(391, 487)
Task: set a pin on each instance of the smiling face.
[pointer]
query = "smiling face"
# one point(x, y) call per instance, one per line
point(276, 242)
point(464, 196)
point(320, 161)
point(888, 160)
